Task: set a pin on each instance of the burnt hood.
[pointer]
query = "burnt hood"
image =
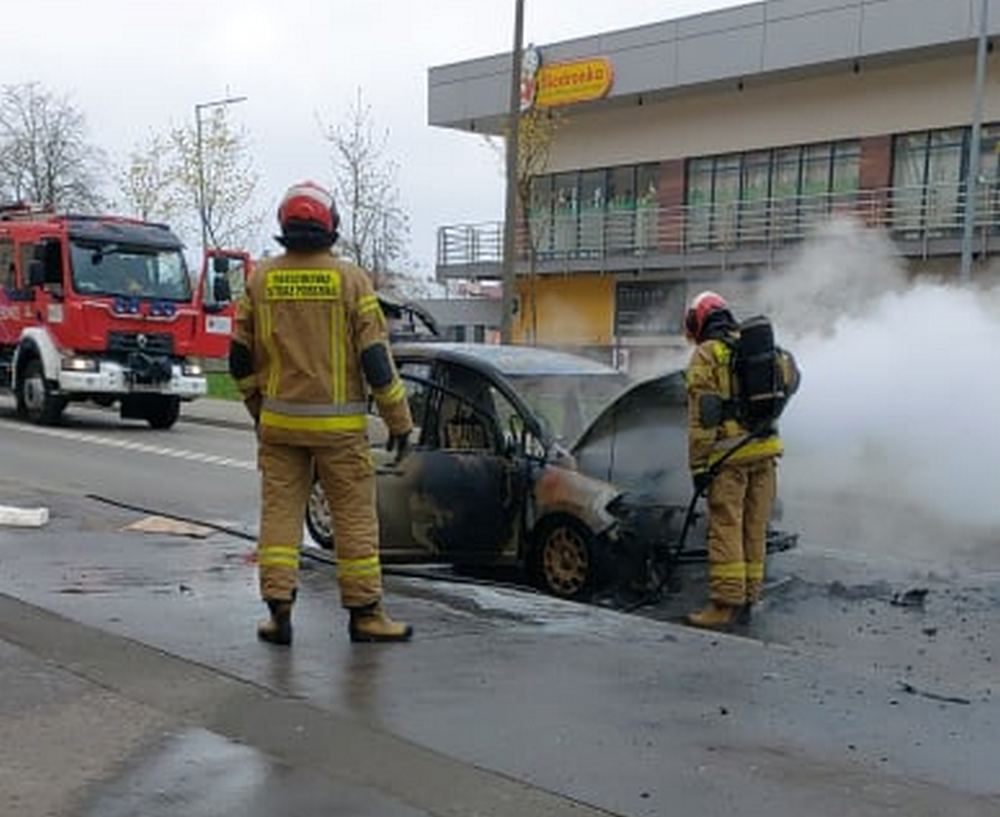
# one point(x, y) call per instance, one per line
point(638, 442)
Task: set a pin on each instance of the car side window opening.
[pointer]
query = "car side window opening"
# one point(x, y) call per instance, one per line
point(469, 423)
point(418, 395)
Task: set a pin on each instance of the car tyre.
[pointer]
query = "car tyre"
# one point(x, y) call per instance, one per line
point(36, 400)
point(163, 412)
point(318, 520)
point(567, 560)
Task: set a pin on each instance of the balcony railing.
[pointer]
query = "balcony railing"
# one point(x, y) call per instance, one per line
point(915, 215)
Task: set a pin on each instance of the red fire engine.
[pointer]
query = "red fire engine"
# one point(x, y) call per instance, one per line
point(102, 308)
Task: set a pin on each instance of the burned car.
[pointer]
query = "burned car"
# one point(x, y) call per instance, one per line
point(540, 459)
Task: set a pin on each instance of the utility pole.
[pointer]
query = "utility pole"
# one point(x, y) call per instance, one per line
point(510, 208)
point(201, 106)
point(972, 165)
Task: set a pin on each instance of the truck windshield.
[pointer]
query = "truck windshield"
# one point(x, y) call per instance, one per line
point(132, 271)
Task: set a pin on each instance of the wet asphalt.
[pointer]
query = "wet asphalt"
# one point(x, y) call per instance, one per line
point(833, 701)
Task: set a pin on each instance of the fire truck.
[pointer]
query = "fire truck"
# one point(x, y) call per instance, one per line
point(102, 308)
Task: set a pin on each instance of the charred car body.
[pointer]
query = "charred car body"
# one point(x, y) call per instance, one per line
point(540, 459)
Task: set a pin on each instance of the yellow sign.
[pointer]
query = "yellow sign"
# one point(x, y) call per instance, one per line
point(564, 83)
point(303, 285)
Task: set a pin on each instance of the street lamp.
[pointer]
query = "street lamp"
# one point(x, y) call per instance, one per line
point(201, 106)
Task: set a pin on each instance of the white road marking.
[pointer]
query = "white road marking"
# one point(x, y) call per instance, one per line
point(132, 445)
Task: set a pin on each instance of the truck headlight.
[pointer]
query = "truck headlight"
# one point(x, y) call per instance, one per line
point(79, 364)
point(192, 370)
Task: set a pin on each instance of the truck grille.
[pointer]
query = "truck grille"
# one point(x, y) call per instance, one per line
point(153, 343)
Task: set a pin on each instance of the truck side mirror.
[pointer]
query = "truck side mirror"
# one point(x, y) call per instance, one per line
point(222, 293)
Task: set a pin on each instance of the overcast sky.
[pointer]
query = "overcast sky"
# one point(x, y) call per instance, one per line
point(139, 65)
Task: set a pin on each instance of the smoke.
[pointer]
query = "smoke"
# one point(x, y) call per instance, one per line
point(893, 440)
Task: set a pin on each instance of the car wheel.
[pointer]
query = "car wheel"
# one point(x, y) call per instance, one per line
point(318, 520)
point(566, 559)
point(35, 398)
point(163, 412)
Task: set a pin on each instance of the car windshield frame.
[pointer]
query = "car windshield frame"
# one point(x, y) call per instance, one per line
point(567, 403)
point(130, 265)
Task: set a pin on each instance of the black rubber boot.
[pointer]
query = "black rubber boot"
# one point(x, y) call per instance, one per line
point(278, 628)
point(372, 623)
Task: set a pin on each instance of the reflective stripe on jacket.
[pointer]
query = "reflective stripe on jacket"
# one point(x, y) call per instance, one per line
point(307, 318)
point(709, 373)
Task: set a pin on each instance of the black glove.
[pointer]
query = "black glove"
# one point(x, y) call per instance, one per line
point(400, 443)
point(701, 480)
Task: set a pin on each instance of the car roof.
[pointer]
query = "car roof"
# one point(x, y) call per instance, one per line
point(510, 361)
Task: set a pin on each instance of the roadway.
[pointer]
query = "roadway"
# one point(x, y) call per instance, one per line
point(835, 702)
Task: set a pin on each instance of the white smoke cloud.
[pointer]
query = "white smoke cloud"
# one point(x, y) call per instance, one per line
point(894, 438)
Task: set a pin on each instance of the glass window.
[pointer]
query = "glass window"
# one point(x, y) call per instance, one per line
point(754, 193)
point(647, 206)
point(909, 167)
point(143, 272)
point(621, 209)
point(540, 217)
point(725, 200)
point(846, 168)
point(785, 193)
point(8, 272)
point(592, 196)
point(699, 201)
point(944, 179)
point(644, 308)
point(989, 174)
point(565, 200)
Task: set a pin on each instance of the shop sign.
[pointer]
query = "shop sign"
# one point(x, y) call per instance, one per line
point(566, 83)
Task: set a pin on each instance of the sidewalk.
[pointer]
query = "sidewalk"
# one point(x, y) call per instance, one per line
point(505, 704)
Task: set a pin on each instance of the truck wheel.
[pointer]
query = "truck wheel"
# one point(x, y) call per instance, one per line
point(162, 412)
point(35, 398)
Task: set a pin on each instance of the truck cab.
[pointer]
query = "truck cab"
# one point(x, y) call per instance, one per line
point(96, 308)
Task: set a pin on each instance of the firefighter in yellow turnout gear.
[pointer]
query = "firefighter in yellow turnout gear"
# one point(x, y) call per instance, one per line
point(309, 337)
point(741, 494)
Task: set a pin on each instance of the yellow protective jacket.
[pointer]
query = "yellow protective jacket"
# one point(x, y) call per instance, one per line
point(709, 373)
point(303, 329)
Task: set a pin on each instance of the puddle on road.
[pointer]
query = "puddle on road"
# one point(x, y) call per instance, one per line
point(197, 773)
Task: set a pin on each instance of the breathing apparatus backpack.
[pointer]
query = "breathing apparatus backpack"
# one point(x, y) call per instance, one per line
point(763, 375)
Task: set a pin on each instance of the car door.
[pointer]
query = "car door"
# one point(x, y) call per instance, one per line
point(461, 490)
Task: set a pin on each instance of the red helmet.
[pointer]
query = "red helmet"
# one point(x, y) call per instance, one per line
point(308, 204)
point(702, 305)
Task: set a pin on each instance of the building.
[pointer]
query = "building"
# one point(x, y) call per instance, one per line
point(717, 143)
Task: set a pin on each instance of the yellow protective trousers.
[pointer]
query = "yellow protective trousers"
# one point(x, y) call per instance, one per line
point(345, 470)
point(739, 506)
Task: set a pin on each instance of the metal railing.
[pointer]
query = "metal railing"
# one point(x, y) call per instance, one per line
point(917, 216)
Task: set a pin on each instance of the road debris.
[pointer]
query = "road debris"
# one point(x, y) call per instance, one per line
point(171, 527)
point(914, 597)
point(13, 517)
point(909, 689)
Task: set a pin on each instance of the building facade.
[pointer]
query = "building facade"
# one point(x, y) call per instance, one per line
point(722, 141)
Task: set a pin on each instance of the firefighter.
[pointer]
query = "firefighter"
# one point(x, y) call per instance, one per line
point(309, 336)
point(741, 491)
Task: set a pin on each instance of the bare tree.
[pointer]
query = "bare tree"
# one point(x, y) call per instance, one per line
point(374, 226)
point(45, 155)
point(231, 180)
point(148, 181)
